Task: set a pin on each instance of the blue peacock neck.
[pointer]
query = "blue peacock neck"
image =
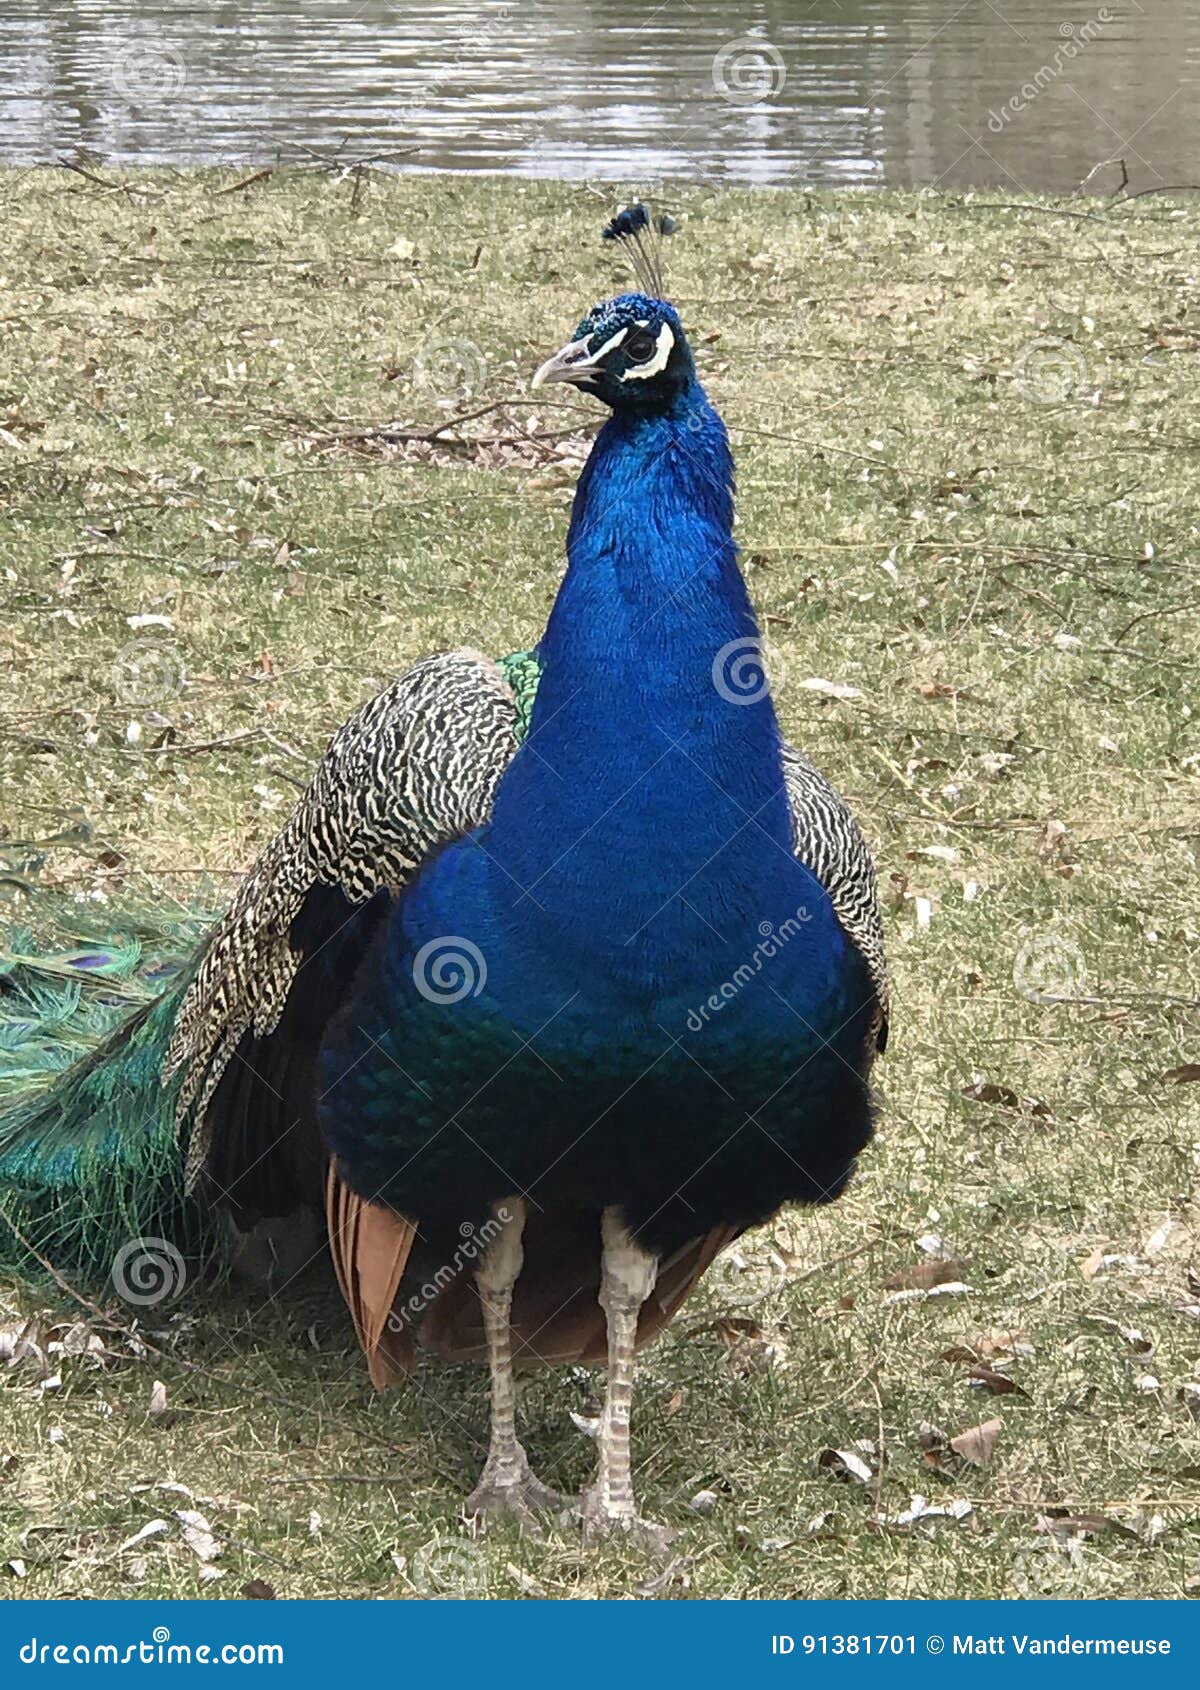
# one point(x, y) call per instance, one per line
point(642, 778)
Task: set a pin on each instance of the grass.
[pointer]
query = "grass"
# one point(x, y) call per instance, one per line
point(968, 468)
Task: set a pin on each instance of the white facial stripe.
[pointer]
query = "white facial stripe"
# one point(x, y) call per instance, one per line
point(656, 365)
point(595, 357)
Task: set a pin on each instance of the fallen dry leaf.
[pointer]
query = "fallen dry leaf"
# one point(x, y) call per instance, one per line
point(952, 1288)
point(920, 1508)
point(830, 689)
point(153, 1528)
point(847, 1464)
point(198, 1535)
point(1137, 1340)
point(999, 1384)
point(983, 1090)
point(923, 1276)
point(1160, 1238)
point(1187, 1073)
point(1005, 1344)
point(1064, 1524)
point(978, 1442)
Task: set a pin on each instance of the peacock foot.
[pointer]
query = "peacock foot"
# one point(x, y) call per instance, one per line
point(514, 1491)
point(602, 1519)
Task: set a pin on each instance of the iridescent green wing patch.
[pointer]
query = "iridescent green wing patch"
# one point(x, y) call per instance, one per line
point(522, 671)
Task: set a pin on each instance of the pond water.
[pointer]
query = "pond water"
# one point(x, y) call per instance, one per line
point(1000, 93)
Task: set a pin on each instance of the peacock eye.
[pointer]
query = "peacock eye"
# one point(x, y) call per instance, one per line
point(640, 347)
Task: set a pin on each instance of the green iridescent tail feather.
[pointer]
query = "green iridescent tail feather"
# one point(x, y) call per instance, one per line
point(89, 1157)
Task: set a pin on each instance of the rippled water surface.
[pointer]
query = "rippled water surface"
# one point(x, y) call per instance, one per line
point(987, 92)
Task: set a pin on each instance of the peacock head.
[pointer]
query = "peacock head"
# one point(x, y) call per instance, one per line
point(630, 351)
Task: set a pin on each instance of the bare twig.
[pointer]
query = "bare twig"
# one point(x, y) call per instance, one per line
point(185, 748)
point(1159, 610)
point(246, 182)
point(1106, 164)
point(77, 169)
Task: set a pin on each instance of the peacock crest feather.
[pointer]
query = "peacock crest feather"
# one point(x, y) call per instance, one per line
point(639, 234)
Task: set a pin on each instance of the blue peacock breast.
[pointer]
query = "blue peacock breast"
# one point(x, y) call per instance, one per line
point(698, 1073)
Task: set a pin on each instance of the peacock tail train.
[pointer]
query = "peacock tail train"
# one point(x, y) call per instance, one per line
point(100, 1119)
point(93, 1160)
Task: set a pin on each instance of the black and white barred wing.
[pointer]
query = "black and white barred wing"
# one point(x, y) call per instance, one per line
point(829, 841)
point(413, 768)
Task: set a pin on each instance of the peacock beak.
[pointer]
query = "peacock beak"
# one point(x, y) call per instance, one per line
point(571, 363)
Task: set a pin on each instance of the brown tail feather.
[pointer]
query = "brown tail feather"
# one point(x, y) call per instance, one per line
point(370, 1246)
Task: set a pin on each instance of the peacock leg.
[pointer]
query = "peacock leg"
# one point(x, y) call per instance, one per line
point(506, 1486)
point(627, 1277)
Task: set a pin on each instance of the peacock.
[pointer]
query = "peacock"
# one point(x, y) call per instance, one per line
point(566, 969)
